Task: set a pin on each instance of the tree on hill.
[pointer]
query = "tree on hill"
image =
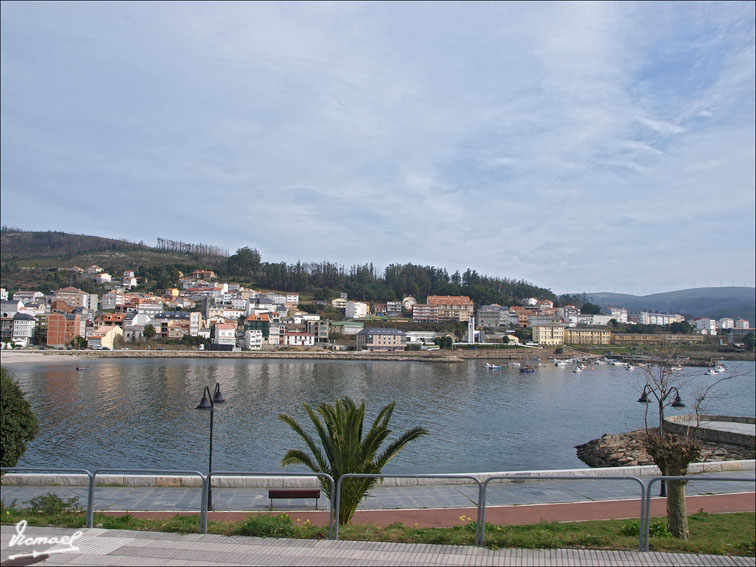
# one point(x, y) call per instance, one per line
point(590, 309)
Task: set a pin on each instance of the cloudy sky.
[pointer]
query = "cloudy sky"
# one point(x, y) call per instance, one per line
point(579, 146)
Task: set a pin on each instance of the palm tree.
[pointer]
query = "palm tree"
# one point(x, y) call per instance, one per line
point(345, 449)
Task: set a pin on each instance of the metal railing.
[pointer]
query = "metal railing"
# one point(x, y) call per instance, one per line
point(278, 474)
point(203, 478)
point(482, 512)
point(448, 476)
point(83, 472)
point(645, 521)
point(335, 503)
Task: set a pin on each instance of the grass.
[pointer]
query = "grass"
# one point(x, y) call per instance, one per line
point(718, 534)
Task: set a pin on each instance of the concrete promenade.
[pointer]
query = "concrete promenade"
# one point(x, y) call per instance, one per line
point(516, 502)
point(120, 547)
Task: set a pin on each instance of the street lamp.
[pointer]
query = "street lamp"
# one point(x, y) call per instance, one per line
point(208, 403)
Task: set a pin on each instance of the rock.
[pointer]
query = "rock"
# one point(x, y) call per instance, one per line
point(627, 450)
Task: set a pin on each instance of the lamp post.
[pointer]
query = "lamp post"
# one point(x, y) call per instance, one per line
point(677, 403)
point(208, 403)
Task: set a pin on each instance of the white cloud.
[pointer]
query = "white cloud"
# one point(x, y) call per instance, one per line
point(521, 140)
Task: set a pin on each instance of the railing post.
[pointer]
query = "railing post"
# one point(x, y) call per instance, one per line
point(90, 501)
point(338, 504)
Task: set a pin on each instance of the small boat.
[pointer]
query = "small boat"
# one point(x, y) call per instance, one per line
point(492, 366)
point(560, 362)
point(676, 368)
point(629, 367)
point(79, 368)
point(527, 368)
point(578, 369)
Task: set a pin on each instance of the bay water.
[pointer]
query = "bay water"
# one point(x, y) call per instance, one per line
point(140, 413)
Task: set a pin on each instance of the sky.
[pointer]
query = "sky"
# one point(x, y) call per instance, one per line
point(578, 146)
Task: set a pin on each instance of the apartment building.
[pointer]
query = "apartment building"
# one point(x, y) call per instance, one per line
point(424, 313)
point(452, 307)
point(355, 310)
point(583, 336)
point(318, 329)
point(490, 316)
point(73, 297)
point(549, 334)
point(380, 339)
point(62, 328)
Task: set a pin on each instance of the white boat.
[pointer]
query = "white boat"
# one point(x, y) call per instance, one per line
point(492, 366)
point(629, 366)
point(560, 363)
point(578, 369)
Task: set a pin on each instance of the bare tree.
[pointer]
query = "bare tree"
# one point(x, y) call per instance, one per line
point(673, 453)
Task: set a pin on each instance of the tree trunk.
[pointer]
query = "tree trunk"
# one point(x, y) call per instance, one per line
point(677, 517)
point(672, 454)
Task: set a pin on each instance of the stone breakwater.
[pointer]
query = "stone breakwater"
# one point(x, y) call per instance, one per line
point(626, 450)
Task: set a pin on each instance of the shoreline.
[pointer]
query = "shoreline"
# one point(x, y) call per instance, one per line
point(10, 358)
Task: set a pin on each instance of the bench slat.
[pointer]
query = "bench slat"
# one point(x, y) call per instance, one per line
point(294, 493)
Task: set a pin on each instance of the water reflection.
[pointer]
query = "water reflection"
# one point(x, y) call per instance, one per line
point(141, 413)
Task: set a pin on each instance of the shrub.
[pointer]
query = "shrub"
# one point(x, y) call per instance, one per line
point(658, 528)
point(18, 424)
point(265, 525)
point(53, 505)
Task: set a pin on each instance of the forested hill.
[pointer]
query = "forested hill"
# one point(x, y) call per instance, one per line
point(714, 302)
point(20, 245)
point(31, 260)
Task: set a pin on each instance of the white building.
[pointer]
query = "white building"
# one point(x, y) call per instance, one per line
point(356, 310)
point(225, 334)
point(742, 324)
point(23, 329)
point(619, 314)
point(292, 299)
point(726, 323)
point(28, 296)
point(111, 300)
point(706, 326)
point(102, 277)
point(253, 340)
point(293, 338)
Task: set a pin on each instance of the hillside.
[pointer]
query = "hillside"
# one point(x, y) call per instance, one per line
point(28, 258)
point(714, 302)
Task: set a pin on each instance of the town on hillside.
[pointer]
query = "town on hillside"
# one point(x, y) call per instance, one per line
point(207, 314)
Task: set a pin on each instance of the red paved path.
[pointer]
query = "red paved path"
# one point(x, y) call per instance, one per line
point(504, 515)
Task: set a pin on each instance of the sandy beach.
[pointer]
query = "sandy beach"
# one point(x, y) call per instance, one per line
point(9, 358)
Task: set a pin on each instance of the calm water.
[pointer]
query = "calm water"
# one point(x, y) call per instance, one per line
point(140, 413)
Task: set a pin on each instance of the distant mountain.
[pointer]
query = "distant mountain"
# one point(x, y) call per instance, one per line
point(713, 302)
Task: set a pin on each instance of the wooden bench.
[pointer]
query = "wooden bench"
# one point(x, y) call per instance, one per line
point(293, 493)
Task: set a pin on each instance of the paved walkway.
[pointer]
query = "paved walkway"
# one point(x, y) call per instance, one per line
point(508, 493)
point(119, 547)
point(557, 501)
